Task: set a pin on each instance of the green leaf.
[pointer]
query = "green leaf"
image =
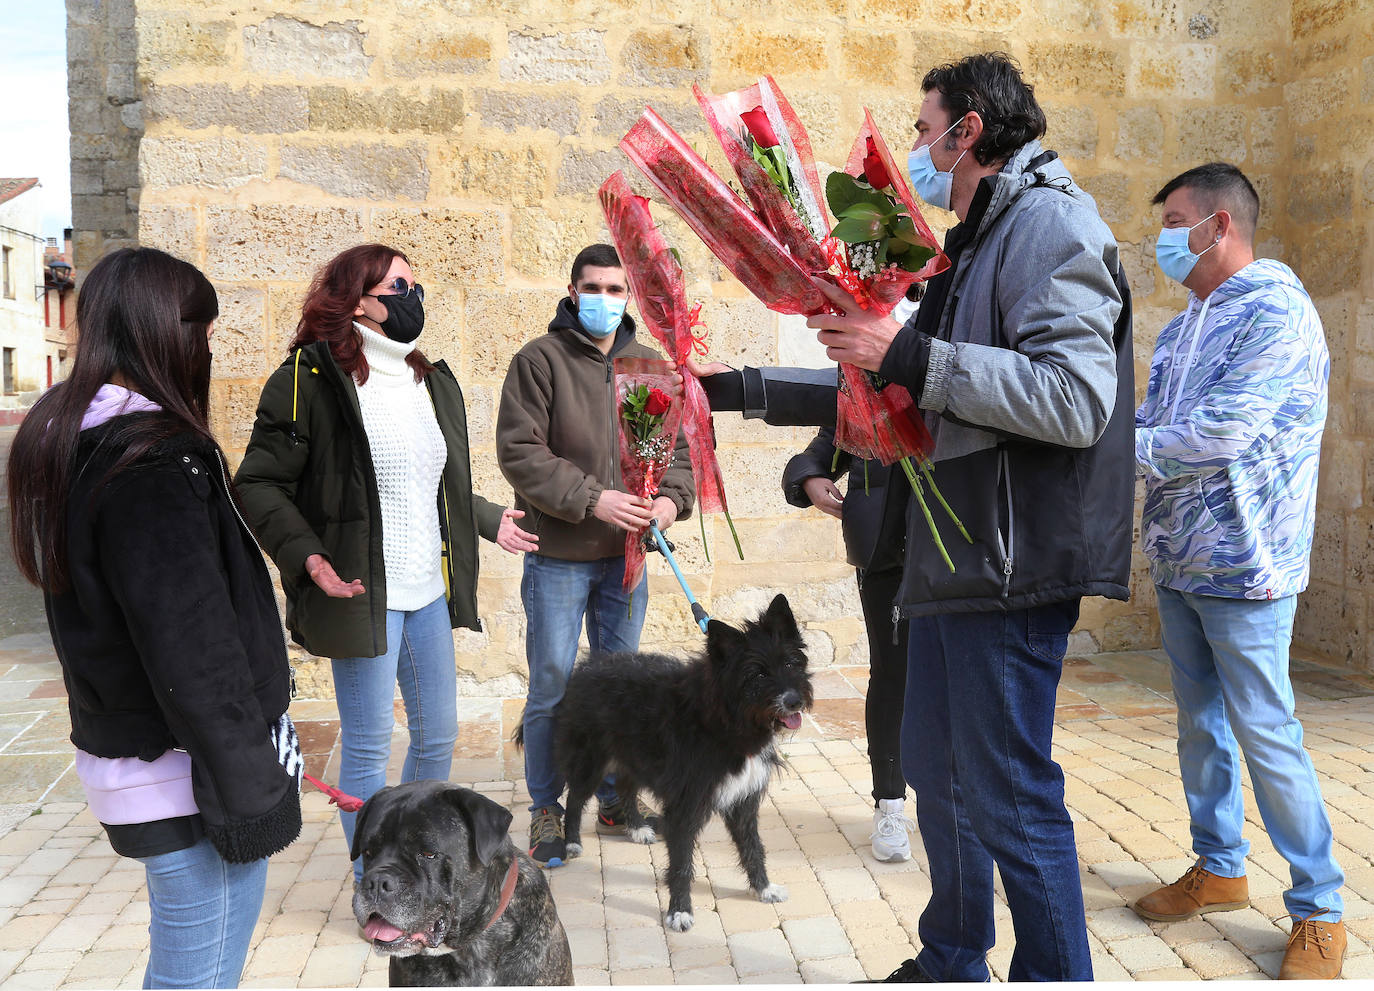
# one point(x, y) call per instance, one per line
point(853, 231)
point(841, 192)
point(862, 211)
point(916, 257)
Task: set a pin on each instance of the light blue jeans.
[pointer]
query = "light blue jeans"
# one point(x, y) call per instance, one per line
point(203, 912)
point(1230, 674)
point(557, 595)
point(419, 658)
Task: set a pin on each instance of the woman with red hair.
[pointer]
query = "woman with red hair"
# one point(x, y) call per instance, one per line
point(357, 483)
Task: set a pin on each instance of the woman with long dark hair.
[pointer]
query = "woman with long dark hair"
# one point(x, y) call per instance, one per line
point(358, 485)
point(162, 614)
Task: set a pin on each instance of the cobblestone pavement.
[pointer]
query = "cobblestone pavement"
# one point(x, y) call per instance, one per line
point(74, 915)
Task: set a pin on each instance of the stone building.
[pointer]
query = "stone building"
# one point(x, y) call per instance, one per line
point(25, 356)
point(258, 139)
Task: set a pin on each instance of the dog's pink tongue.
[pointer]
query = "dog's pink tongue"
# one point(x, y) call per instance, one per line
point(792, 720)
point(379, 929)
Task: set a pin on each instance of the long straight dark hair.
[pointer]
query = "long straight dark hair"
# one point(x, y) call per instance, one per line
point(142, 315)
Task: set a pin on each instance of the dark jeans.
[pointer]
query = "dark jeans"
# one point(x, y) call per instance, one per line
point(976, 732)
point(887, 650)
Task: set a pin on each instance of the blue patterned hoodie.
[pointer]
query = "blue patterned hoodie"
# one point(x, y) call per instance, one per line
point(1229, 435)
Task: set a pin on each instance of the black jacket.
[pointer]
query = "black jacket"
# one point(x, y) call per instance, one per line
point(874, 510)
point(169, 635)
point(308, 487)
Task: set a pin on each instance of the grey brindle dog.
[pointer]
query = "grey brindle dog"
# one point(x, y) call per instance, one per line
point(446, 894)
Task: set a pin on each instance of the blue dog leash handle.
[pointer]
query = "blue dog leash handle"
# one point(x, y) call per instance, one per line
point(699, 613)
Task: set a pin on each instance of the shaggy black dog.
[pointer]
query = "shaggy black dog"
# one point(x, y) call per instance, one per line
point(699, 735)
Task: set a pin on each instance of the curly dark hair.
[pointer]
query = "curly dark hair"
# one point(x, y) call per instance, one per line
point(989, 84)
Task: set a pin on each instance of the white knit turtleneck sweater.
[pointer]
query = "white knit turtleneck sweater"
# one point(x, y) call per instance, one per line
point(408, 456)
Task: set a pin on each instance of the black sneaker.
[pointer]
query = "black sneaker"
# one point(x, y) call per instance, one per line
point(548, 848)
point(610, 818)
point(908, 973)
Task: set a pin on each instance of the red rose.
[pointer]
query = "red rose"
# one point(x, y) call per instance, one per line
point(874, 170)
point(759, 127)
point(658, 402)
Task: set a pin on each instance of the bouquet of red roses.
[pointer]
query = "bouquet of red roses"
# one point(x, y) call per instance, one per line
point(658, 287)
point(886, 243)
point(649, 421)
point(776, 247)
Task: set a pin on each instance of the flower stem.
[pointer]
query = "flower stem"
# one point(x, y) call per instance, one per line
point(701, 518)
point(916, 488)
point(731, 524)
point(930, 480)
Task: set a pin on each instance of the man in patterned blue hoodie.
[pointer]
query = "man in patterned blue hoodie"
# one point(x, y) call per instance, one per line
point(1228, 440)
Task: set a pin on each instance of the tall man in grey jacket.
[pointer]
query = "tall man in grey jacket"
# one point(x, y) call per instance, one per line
point(1020, 358)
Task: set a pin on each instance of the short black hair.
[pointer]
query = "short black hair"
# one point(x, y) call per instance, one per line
point(1219, 186)
point(596, 255)
point(991, 85)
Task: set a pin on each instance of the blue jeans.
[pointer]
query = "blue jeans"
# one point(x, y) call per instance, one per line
point(976, 729)
point(557, 595)
point(1229, 662)
point(419, 658)
point(203, 912)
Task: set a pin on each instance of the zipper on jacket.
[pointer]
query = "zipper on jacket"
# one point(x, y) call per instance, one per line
point(229, 493)
point(224, 474)
point(1006, 546)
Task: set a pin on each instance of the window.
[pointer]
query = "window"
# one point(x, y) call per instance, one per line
point(9, 283)
point(9, 363)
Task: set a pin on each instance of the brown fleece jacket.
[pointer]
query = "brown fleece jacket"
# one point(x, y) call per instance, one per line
point(557, 438)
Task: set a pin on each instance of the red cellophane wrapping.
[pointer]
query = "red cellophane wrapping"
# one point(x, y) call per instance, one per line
point(641, 476)
point(659, 290)
point(855, 399)
point(722, 114)
point(870, 424)
point(720, 218)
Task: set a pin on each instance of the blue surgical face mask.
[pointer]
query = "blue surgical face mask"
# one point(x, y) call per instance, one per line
point(930, 183)
point(599, 314)
point(1174, 255)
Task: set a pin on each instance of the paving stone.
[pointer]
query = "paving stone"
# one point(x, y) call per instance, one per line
point(1214, 958)
point(760, 952)
point(637, 949)
point(1117, 923)
point(817, 939)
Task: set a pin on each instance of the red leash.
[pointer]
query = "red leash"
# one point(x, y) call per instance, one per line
point(345, 802)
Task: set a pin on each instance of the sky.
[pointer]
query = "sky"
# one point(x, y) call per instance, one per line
point(33, 105)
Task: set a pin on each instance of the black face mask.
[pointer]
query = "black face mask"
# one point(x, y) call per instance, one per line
point(405, 317)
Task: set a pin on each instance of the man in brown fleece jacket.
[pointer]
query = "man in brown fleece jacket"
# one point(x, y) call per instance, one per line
point(557, 442)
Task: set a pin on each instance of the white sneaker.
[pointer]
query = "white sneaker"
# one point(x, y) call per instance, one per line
point(890, 826)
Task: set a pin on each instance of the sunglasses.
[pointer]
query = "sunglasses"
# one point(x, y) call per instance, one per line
point(399, 287)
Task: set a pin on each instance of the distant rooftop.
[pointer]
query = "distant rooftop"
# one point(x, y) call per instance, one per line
point(10, 188)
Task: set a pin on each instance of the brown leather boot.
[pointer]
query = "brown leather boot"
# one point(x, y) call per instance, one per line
point(1197, 891)
point(1315, 951)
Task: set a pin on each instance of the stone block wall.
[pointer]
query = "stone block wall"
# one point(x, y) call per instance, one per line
point(1328, 220)
point(105, 115)
point(473, 136)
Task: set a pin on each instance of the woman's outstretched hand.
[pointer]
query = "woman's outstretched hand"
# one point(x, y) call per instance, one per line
point(322, 573)
point(510, 537)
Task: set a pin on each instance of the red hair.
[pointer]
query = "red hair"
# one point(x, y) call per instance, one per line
point(327, 313)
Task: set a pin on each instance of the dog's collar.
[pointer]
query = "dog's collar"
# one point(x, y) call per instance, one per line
point(507, 890)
